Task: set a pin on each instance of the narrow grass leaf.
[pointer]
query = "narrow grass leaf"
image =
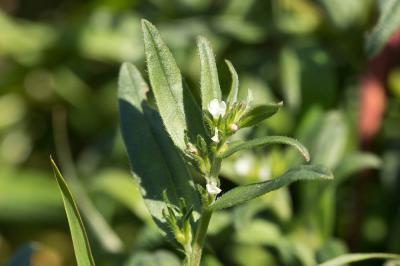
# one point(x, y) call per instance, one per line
point(349, 258)
point(245, 193)
point(166, 83)
point(80, 241)
point(258, 142)
point(233, 93)
point(209, 82)
point(258, 114)
point(388, 23)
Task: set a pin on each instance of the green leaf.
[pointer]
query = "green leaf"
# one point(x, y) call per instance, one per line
point(24, 192)
point(258, 114)
point(259, 232)
point(120, 186)
point(233, 93)
point(348, 258)
point(209, 82)
point(354, 163)
point(157, 258)
point(243, 145)
point(154, 159)
point(290, 78)
point(245, 193)
point(166, 83)
point(80, 241)
point(388, 23)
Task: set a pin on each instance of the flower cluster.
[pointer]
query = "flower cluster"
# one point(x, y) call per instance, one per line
point(222, 121)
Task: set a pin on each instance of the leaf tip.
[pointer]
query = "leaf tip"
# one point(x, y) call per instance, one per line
point(52, 160)
point(325, 172)
point(145, 22)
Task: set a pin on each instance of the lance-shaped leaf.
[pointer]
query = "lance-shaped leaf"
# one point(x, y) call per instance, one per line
point(244, 145)
point(258, 114)
point(349, 258)
point(154, 159)
point(80, 241)
point(209, 82)
point(166, 83)
point(354, 163)
point(233, 93)
point(245, 193)
point(388, 23)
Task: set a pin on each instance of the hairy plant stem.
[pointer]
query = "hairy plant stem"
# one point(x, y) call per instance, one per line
point(201, 232)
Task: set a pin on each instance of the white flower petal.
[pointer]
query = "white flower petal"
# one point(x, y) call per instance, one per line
point(213, 189)
point(213, 108)
point(217, 108)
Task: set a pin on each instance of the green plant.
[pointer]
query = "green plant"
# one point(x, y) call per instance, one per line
point(182, 144)
point(176, 147)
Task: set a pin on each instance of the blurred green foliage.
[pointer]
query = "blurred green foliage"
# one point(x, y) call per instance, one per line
point(59, 63)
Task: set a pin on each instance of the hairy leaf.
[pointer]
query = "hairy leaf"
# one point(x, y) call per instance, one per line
point(166, 83)
point(209, 82)
point(154, 159)
point(245, 193)
point(80, 241)
point(258, 114)
point(348, 258)
point(233, 93)
point(244, 145)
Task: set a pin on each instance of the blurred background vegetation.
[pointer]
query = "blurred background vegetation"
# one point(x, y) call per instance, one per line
point(59, 62)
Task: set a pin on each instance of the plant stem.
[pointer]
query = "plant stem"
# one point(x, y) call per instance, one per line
point(201, 232)
point(199, 238)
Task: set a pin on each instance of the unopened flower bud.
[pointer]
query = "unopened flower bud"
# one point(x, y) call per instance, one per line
point(233, 127)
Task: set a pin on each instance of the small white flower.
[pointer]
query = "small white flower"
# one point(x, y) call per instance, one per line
point(217, 108)
point(215, 138)
point(212, 188)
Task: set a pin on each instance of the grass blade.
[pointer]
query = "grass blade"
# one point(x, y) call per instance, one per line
point(244, 145)
point(245, 193)
point(80, 241)
point(348, 258)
